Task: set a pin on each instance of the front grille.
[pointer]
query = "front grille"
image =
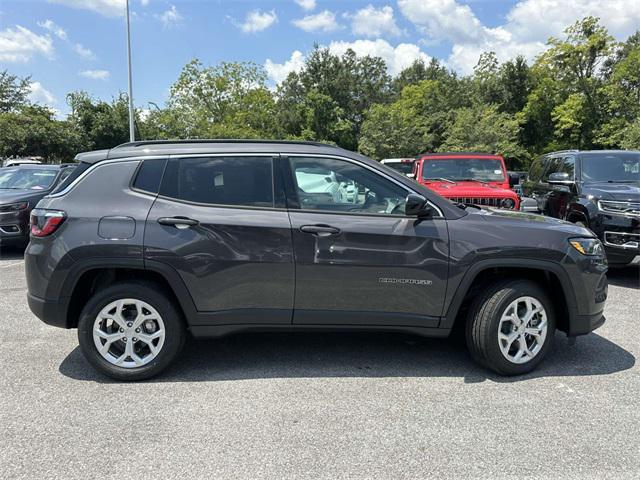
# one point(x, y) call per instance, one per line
point(482, 201)
point(620, 208)
point(630, 241)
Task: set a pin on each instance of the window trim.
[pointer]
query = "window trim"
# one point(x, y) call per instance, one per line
point(224, 205)
point(368, 167)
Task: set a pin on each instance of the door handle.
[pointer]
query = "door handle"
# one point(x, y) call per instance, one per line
point(178, 222)
point(320, 230)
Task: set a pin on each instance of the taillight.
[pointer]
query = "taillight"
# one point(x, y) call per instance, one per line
point(45, 222)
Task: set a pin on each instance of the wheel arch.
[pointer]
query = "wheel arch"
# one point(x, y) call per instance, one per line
point(551, 276)
point(89, 276)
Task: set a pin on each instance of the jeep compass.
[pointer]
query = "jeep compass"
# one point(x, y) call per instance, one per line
point(155, 240)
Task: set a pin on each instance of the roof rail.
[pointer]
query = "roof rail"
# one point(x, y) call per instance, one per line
point(143, 143)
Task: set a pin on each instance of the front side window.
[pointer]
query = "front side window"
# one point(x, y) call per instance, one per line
point(241, 181)
point(611, 167)
point(456, 169)
point(26, 178)
point(337, 185)
point(564, 164)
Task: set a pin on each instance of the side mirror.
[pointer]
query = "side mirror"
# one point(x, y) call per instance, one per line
point(416, 206)
point(514, 179)
point(561, 178)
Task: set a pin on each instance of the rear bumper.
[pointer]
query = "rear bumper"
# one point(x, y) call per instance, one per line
point(50, 312)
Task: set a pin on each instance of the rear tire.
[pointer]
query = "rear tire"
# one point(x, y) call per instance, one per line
point(130, 331)
point(510, 327)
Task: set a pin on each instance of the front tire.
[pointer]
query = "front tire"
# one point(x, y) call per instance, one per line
point(130, 331)
point(510, 327)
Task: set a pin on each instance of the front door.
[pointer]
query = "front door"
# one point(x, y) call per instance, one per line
point(359, 259)
point(217, 223)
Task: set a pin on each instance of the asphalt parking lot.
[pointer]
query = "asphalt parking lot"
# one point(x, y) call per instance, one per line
point(320, 406)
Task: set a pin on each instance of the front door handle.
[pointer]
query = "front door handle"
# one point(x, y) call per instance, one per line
point(320, 230)
point(178, 222)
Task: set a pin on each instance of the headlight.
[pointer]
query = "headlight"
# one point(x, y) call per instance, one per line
point(508, 203)
point(587, 246)
point(14, 207)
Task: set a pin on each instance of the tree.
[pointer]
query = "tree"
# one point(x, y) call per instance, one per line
point(353, 83)
point(418, 72)
point(13, 91)
point(483, 128)
point(32, 130)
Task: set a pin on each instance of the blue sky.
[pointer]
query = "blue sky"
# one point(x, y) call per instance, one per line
point(67, 45)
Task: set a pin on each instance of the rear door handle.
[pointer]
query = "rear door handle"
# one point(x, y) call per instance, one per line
point(178, 222)
point(320, 230)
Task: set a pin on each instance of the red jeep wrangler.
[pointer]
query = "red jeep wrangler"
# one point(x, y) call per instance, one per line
point(476, 178)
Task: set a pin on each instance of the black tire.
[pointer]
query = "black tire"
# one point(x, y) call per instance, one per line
point(484, 319)
point(154, 296)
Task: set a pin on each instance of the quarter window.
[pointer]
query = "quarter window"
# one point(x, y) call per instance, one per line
point(149, 175)
point(242, 181)
point(337, 185)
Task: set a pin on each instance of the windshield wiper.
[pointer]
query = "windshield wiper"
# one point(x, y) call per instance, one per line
point(438, 179)
point(622, 181)
point(472, 180)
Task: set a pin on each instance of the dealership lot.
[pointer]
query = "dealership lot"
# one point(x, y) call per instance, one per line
point(320, 406)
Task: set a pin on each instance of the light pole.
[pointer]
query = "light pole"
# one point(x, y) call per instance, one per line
point(132, 128)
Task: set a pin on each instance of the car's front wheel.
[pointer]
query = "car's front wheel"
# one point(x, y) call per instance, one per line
point(510, 327)
point(130, 331)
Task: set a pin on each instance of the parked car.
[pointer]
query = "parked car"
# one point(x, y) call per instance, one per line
point(470, 178)
point(516, 181)
point(598, 189)
point(14, 162)
point(402, 165)
point(154, 239)
point(21, 188)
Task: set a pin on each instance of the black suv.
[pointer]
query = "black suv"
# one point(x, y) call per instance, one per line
point(595, 189)
point(154, 239)
point(21, 188)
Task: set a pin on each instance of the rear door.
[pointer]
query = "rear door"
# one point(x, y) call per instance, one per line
point(359, 259)
point(220, 222)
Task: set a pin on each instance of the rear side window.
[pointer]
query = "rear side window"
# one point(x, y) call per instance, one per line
point(241, 181)
point(149, 175)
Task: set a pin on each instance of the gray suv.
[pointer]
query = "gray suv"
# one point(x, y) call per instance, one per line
point(151, 240)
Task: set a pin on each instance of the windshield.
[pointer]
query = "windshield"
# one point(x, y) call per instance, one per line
point(481, 169)
point(611, 167)
point(402, 167)
point(26, 178)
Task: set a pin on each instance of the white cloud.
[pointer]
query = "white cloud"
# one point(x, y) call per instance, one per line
point(528, 26)
point(108, 8)
point(57, 30)
point(83, 51)
point(324, 21)
point(171, 17)
point(396, 58)
point(257, 20)
point(279, 71)
point(41, 95)
point(95, 74)
point(144, 2)
point(374, 22)
point(20, 44)
point(306, 4)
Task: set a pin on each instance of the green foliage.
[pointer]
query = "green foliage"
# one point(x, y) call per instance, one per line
point(582, 92)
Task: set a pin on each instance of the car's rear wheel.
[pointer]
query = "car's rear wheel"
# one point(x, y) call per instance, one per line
point(130, 331)
point(510, 327)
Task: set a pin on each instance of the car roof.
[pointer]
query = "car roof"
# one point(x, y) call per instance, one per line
point(458, 154)
point(592, 152)
point(194, 147)
point(33, 166)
